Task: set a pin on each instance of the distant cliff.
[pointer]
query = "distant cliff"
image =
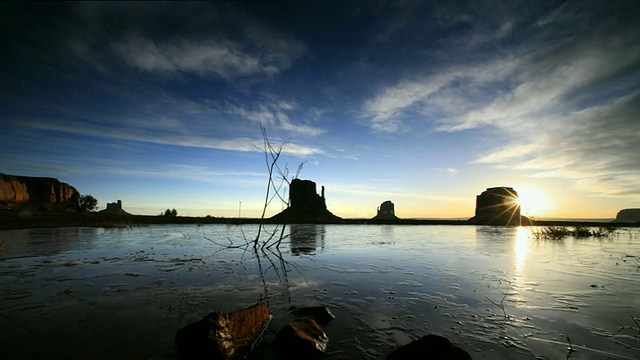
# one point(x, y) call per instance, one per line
point(38, 192)
point(628, 216)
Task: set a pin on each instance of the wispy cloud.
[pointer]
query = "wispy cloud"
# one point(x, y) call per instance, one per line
point(596, 147)
point(275, 115)
point(559, 102)
point(222, 57)
point(163, 136)
point(165, 170)
point(450, 171)
point(437, 98)
point(207, 39)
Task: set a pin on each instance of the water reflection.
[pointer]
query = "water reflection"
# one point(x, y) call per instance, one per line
point(521, 249)
point(387, 233)
point(306, 238)
point(510, 271)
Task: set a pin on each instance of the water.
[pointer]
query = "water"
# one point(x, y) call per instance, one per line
point(496, 292)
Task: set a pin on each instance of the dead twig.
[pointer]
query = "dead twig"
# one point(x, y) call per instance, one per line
point(570, 350)
point(501, 304)
point(627, 327)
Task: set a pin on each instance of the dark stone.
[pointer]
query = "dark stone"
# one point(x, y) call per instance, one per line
point(628, 216)
point(497, 206)
point(223, 335)
point(301, 340)
point(320, 314)
point(430, 347)
point(305, 205)
point(386, 211)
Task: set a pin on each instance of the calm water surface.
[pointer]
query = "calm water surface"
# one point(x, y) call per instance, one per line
point(122, 293)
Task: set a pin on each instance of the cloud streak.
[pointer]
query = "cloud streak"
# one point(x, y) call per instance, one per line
point(560, 109)
point(163, 136)
point(222, 57)
point(274, 115)
point(230, 44)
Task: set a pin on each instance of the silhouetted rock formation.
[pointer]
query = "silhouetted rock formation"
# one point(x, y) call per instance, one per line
point(38, 192)
point(628, 216)
point(114, 209)
point(498, 206)
point(386, 211)
point(306, 206)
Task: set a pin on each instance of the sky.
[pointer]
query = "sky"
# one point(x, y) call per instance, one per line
point(424, 103)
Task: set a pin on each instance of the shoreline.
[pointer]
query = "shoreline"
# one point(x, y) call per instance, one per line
point(12, 220)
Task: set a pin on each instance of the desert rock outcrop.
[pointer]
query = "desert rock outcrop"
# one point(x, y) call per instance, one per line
point(628, 216)
point(386, 211)
point(305, 205)
point(497, 206)
point(40, 192)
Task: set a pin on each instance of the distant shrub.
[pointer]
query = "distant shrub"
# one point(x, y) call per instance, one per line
point(551, 233)
point(581, 231)
point(87, 203)
point(169, 213)
point(604, 231)
point(560, 232)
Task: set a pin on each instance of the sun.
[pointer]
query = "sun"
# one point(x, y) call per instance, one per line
point(533, 201)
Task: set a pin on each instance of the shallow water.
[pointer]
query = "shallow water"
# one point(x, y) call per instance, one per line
point(122, 293)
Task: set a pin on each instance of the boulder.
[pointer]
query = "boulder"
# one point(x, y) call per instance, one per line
point(628, 216)
point(222, 335)
point(303, 339)
point(39, 192)
point(430, 347)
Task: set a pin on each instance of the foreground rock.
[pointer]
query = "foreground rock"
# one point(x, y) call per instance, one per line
point(320, 314)
point(430, 347)
point(222, 335)
point(303, 339)
point(230, 336)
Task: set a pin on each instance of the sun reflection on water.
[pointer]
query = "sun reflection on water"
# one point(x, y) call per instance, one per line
point(521, 248)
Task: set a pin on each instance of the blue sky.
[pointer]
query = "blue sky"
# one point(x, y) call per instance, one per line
point(425, 104)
